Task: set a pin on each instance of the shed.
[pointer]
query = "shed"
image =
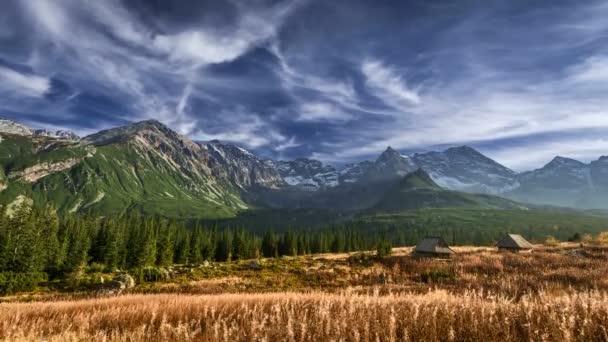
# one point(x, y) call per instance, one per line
point(515, 243)
point(433, 246)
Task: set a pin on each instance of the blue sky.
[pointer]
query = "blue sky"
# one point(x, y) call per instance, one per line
point(337, 80)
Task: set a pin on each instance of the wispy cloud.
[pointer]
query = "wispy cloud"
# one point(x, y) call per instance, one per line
point(336, 80)
point(389, 85)
point(22, 84)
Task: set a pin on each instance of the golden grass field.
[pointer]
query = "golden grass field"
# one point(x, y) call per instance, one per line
point(552, 294)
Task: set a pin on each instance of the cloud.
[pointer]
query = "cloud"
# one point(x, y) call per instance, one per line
point(593, 69)
point(240, 126)
point(321, 111)
point(18, 83)
point(291, 143)
point(339, 81)
point(524, 158)
point(387, 84)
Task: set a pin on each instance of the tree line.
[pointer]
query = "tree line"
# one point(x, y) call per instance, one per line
point(38, 240)
point(34, 240)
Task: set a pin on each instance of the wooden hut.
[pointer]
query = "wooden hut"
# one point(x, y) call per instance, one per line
point(514, 243)
point(433, 247)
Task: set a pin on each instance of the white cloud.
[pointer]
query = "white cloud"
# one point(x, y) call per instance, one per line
point(524, 158)
point(594, 69)
point(389, 85)
point(12, 81)
point(240, 126)
point(201, 47)
point(321, 111)
point(291, 143)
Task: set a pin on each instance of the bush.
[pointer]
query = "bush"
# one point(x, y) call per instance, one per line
point(360, 258)
point(438, 276)
point(383, 249)
point(12, 282)
point(602, 239)
point(96, 268)
point(551, 241)
point(575, 238)
point(150, 274)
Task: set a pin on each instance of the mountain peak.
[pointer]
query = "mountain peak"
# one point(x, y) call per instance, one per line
point(152, 126)
point(390, 154)
point(464, 149)
point(563, 161)
point(12, 127)
point(151, 123)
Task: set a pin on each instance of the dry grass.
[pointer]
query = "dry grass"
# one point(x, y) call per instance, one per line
point(435, 316)
point(553, 294)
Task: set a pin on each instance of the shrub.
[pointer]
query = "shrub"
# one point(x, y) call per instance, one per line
point(96, 268)
point(383, 249)
point(13, 282)
point(362, 259)
point(439, 276)
point(576, 237)
point(551, 241)
point(602, 239)
point(150, 274)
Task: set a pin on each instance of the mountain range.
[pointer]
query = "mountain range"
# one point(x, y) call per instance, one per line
point(146, 167)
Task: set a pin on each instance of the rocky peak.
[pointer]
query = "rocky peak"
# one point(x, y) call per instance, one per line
point(389, 155)
point(241, 167)
point(12, 127)
point(391, 164)
point(59, 134)
point(559, 162)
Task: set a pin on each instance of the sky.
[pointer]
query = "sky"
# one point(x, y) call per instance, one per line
point(339, 81)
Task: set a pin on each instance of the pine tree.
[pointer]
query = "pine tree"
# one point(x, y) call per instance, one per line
point(182, 247)
point(196, 246)
point(223, 247)
point(270, 246)
point(165, 244)
point(239, 245)
point(77, 246)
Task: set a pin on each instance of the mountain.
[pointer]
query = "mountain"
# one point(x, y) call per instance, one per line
point(465, 169)
point(390, 164)
point(58, 134)
point(307, 174)
point(143, 167)
point(417, 190)
point(566, 182)
point(147, 167)
point(241, 167)
point(11, 127)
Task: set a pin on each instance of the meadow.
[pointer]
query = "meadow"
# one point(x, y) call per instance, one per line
point(554, 293)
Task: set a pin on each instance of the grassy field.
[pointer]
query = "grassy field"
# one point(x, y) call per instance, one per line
point(553, 294)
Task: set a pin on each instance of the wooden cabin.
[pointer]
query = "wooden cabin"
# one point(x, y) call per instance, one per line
point(433, 247)
point(514, 243)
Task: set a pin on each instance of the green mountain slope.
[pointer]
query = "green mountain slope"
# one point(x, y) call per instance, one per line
point(143, 167)
point(417, 190)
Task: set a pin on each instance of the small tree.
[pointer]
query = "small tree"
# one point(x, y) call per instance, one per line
point(384, 248)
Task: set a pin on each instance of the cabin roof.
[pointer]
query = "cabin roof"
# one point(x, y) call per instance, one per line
point(434, 245)
point(514, 241)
